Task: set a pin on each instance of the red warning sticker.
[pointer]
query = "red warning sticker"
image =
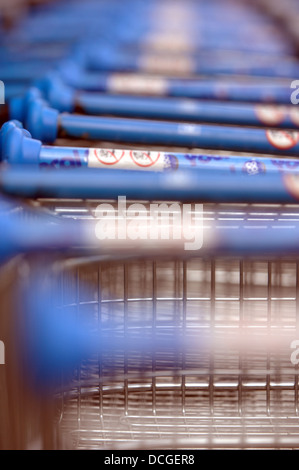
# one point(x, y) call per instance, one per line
point(127, 159)
point(270, 115)
point(281, 139)
point(108, 157)
point(144, 159)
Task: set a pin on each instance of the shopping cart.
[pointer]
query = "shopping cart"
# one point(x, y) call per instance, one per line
point(240, 392)
point(201, 349)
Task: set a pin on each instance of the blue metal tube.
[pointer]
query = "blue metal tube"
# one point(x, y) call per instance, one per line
point(174, 134)
point(200, 88)
point(17, 146)
point(70, 157)
point(114, 60)
point(180, 109)
point(186, 185)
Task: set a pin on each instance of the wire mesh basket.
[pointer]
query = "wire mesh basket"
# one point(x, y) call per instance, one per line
point(240, 391)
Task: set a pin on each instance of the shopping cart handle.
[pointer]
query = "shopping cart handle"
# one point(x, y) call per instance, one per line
point(185, 185)
point(24, 230)
point(51, 87)
point(34, 110)
point(18, 105)
point(214, 88)
point(47, 124)
point(140, 103)
point(17, 145)
point(60, 95)
point(42, 121)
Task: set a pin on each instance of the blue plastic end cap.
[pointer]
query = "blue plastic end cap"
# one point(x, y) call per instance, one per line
point(18, 105)
point(6, 127)
point(42, 83)
point(17, 145)
point(42, 121)
point(60, 95)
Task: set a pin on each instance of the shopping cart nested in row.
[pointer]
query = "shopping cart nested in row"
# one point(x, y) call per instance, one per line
point(151, 309)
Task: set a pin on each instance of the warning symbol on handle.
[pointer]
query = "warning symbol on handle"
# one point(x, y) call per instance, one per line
point(270, 115)
point(282, 139)
point(145, 159)
point(126, 159)
point(108, 157)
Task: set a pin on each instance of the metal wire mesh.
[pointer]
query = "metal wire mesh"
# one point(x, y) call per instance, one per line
point(244, 391)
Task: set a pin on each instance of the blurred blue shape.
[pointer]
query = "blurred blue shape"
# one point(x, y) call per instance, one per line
point(55, 339)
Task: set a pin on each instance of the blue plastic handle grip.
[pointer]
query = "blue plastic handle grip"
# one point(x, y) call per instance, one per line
point(174, 134)
point(41, 232)
point(186, 185)
point(17, 147)
point(46, 124)
point(200, 88)
point(112, 60)
point(66, 99)
point(27, 231)
point(70, 157)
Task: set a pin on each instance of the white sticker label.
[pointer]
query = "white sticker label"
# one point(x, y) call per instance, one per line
point(128, 159)
point(171, 65)
point(283, 139)
point(270, 115)
point(137, 84)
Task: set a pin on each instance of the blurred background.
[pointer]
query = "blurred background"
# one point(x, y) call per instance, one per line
point(190, 353)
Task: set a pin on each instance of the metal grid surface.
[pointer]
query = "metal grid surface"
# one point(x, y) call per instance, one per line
point(237, 397)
